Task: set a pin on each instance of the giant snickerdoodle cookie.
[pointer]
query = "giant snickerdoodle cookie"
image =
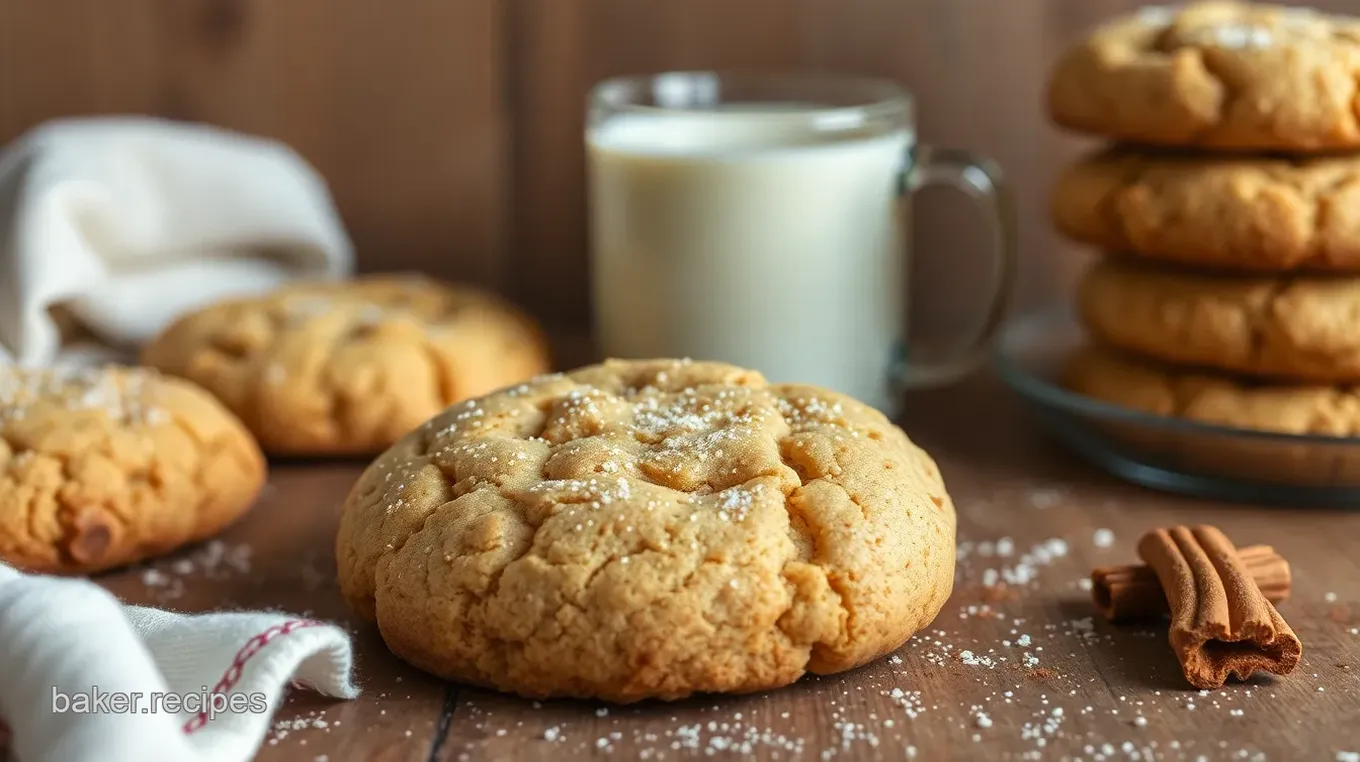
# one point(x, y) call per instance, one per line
point(348, 368)
point(1163, 390)
point(104, 467)
point(1250, 214)
point(648, 529)
point(1303, 329)
point(1219, 75)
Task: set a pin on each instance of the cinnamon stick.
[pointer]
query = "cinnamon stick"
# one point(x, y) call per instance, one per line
point(1132, 592)
point(1221, 623)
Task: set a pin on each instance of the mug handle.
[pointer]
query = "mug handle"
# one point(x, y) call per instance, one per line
point(983, 181)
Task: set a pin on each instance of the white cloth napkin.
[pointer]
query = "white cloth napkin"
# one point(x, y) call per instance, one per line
point(129, 222)
point(67, 641)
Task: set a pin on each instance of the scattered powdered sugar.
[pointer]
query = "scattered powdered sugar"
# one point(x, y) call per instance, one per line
point(689, 413)
point(909, 701)
point(1102, 538)
point(214, 560)
point(1046, 498)
point(126, 396)
point(1044, 725)
point(313, 720)
point(1156, 15)
point(1237, 36)
point(971, 659)
point(1025, 569)
point(734, 503)
point(596, 492)
point(732, 736)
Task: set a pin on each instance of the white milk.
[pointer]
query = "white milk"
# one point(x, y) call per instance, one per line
point(748, 238)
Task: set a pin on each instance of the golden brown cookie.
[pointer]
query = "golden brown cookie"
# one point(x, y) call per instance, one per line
point(1300, 328)
point(1220, 75)
point(648, 529)
point(106, 467)
point(1160, 389)
point(1248, 214)
point(348, 368)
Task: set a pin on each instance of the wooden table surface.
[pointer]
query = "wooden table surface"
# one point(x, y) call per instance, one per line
point(1044, 679)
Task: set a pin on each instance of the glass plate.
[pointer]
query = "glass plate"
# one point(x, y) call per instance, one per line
point(1170, 454)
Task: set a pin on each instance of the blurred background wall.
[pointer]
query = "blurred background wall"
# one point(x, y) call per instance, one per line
point(450, 130)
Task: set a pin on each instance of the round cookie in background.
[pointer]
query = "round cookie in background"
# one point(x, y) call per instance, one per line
point(648, 529)
point(1248, 214)
point(1287, 329)
point(347, 368)
point(105, 467)
point(1214, 75)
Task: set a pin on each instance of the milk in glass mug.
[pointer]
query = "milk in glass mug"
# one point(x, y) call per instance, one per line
point(762, 221)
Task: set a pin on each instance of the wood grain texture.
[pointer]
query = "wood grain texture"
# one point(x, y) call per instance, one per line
point(399, 104)
point(1009, 484)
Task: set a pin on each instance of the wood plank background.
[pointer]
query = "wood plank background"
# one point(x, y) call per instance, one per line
point(450, 131)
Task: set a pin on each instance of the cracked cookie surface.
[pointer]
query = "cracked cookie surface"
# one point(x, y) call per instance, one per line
point(648, 529)
point(1249, 214)
point(1151, 387)
point(101, 468)
point(1299, 328)
point(348, 368)
point(1218, 75)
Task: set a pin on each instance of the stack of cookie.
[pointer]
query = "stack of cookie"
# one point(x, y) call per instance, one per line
point(1228, 211)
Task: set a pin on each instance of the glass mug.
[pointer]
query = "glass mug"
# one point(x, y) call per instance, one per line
point(762, 221)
